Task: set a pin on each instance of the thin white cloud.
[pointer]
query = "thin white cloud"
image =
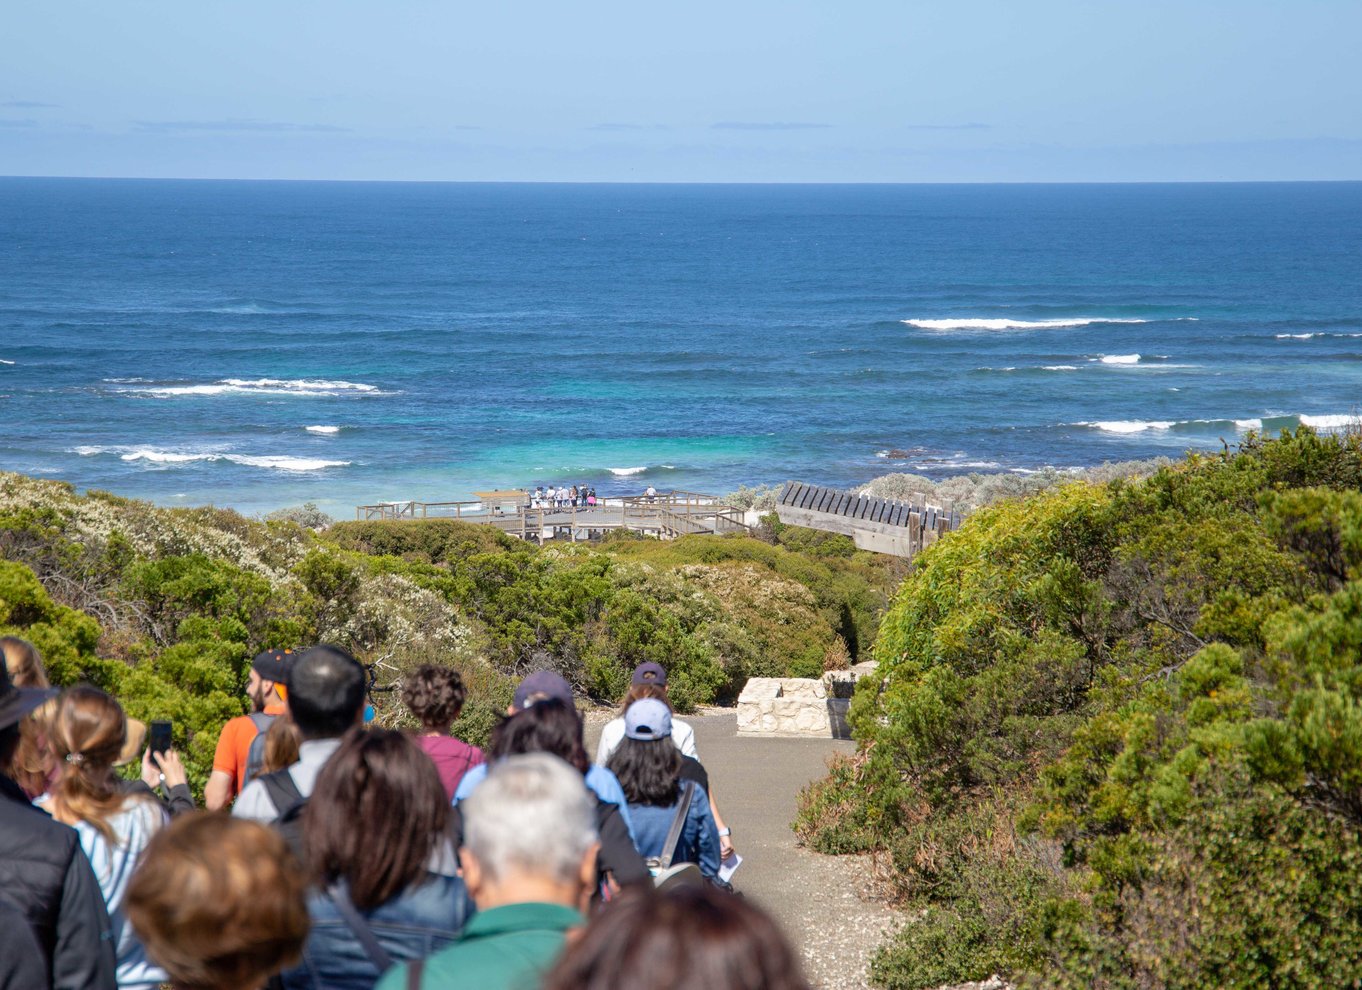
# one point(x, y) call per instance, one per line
point(29, 105)
point(233, 124)
point(775, 125)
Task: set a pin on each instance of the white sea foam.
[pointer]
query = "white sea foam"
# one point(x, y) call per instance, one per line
point(325, 430)
point(1120, 359)
point(1059, 367)
point(1130, 425)
point(984, 323)
point(1331, 422)
point(285, 463)
point(626, 472)
point(318, 388)
point(1249, 424)
point(1317, 333)
point(151, 455)
point(3, 361)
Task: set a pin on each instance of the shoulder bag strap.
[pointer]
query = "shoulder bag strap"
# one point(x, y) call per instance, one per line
point(414, 969)
point(282, 790)
point(678, 823)
point(356, 923)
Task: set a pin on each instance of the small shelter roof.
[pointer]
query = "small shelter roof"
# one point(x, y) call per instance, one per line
point(503, 495)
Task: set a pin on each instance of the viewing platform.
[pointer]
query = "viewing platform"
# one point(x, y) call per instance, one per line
point(666, 515)
point(882, 525)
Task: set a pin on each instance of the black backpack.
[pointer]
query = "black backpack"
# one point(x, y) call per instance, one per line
point(288, 804)
point(255, 756)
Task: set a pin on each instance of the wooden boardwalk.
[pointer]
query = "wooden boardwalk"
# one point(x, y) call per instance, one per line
point(880, 524)
point(666, 515)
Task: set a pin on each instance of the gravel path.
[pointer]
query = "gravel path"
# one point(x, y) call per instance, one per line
point(816, 898)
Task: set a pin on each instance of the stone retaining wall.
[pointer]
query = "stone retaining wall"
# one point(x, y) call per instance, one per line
point(796, 706)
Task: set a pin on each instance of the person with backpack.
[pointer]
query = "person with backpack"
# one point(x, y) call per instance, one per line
point(241, 746)
point(671, 816)
point(326, 697)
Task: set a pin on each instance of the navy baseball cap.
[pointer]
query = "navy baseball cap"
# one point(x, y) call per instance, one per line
point(540, 685)
point(650, 673)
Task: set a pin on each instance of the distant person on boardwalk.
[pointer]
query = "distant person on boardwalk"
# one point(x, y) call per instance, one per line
point(33, 767)
point(232, 759)
point(45, 874)
point(114, 825)
point(651, 493)
point(684, 938)
point(648, 767)
point(529, 859)
point(219, 903)
point(435, 695)
point(325, 699)
point(541, 685)
point(385, 873)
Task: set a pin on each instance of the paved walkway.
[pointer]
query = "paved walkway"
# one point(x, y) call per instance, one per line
point(815, 898)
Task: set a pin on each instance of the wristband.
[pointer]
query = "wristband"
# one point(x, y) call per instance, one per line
point(725, 831)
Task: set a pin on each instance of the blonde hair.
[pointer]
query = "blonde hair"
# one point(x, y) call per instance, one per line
point(23, 662)
point(33, 763)
point(638, 692)
point(220, 902)
point(86, 737)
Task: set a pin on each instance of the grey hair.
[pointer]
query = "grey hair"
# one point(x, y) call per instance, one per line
point(533, 814)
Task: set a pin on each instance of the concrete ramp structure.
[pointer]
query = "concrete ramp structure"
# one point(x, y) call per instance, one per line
point(882, 525)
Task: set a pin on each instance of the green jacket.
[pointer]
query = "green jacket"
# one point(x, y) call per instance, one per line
point(506, 948)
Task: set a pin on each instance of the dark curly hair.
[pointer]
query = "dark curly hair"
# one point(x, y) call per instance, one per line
point(434, 694)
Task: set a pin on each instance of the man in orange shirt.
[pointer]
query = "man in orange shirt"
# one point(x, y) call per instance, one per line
point(265, 688)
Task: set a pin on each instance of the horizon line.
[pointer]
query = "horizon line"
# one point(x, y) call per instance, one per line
point(701, 182)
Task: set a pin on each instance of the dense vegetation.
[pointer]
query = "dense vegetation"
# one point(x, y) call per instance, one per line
point(1118, 740)
point(165, 607)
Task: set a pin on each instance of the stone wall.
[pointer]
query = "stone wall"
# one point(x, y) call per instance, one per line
point(796, 706)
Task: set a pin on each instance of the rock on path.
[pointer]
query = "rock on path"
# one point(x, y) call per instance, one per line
point(817, 899)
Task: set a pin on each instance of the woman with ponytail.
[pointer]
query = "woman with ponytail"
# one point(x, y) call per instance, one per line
point(115, 825)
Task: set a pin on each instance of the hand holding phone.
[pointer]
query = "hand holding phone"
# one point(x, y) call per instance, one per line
point(159, 740)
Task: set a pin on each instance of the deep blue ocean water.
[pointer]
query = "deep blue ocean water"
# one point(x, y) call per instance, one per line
point(177, 340)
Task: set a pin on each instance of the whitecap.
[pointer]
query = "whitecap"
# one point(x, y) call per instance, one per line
point(305, 387)
point(152, 455)
point(284, 463)
point(625, 472)
point(1120, 359)
point(324, 430)
point(1059, 367)
point(1331, 422)
point(1249, 424)
point(3, 361)
point(984, 323)
point(1130, 425)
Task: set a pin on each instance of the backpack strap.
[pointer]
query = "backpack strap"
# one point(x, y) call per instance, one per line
point(262, 722)
point(678, 823)
point(414, 970)
point(356, 923)
point(282, 790)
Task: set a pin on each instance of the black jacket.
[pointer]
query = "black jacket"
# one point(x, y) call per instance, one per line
point(44, 873)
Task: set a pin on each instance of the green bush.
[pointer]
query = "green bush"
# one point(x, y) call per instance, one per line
point(1156, 686)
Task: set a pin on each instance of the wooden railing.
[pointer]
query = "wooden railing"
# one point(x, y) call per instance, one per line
point(676, 513)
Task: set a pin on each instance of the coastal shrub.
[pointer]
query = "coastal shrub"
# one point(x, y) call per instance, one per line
point(306, 515)
point(1101, 709)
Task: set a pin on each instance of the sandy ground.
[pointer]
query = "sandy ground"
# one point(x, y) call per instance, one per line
point(817, 899)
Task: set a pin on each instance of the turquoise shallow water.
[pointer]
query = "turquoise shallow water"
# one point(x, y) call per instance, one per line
point(176, 340)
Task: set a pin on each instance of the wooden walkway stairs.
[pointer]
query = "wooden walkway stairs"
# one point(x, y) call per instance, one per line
point(880, 524)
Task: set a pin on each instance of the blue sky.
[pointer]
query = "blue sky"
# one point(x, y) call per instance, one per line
point(744, 90)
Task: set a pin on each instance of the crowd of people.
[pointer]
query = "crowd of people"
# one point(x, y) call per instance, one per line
point(332, 854)
point(561, 497)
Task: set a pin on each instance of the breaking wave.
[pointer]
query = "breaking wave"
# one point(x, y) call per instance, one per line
point(151, 455)
point(986, 323)
point(314, 387)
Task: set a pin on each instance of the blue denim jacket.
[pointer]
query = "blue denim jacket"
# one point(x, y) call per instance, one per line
point(699, 841)
point(414, 924)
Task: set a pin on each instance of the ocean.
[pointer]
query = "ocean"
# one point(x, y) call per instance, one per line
point(264, 344)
